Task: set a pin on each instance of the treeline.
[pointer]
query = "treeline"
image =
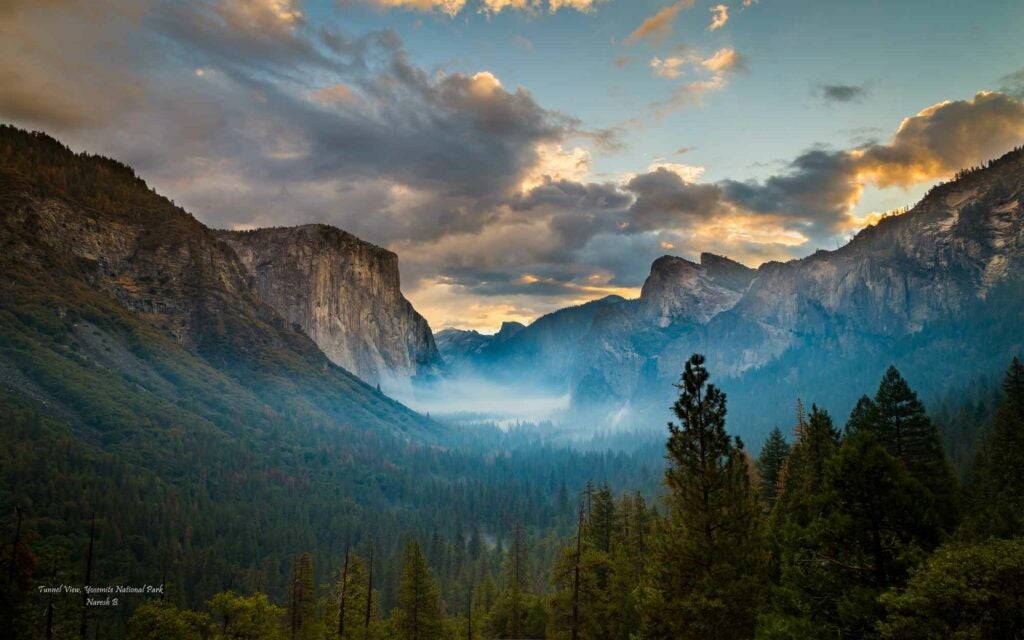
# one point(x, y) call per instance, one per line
point(859, 531)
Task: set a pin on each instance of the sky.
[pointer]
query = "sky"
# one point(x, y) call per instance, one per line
point(524, 155)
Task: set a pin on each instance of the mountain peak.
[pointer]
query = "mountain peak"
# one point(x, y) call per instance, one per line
point(509, 330)
point(681, 290)
point(727, 272)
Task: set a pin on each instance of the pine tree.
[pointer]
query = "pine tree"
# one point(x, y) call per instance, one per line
point(903, 427)
point(351, 600)
point(302, 599)
point(997, 492)
point(603, 527)
point(516, 580)
point(769, 464)
point(419, 616)
point(707, 571)
point(576, 609)
point(863, 416)
point(872, 525)
point(250, 617)
point(804, 467)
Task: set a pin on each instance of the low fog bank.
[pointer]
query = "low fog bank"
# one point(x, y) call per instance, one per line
point(483, 400)
point(473, 401)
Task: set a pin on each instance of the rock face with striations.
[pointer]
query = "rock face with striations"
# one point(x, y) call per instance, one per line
point(345, 294)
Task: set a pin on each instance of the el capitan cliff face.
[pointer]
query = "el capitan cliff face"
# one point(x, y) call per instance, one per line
point(344, 293)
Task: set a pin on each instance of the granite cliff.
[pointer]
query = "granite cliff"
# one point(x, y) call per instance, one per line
point(344, 293)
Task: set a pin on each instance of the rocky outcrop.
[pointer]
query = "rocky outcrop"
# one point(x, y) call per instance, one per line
point(682, 291)
point(344, 293)
point(460, 347)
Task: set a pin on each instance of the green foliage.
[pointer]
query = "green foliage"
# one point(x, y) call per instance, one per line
point(302, 620)
point(346, 607)
point(972, 592)
point(707, 566)
point(770, 464)
point(803, 473)
point(997, 492)
point(419, 616)
point(237, 617)
point(903, 427)
point(157, 620)
point(871, 525)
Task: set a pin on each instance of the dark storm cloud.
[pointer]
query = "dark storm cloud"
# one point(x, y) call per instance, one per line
point(816, 191)
point(663, 200)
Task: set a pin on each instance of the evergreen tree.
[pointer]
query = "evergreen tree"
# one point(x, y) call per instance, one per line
point(419, 616)
point(869, 524)
point(804, 467)
point(997, 491)
point(350, 601)
point(302, 621)
point(707, 569)
point(903, 427)
point(769, 464)
point(157, 620)
point(863, 417)
point(246, 617)
point(972, 591)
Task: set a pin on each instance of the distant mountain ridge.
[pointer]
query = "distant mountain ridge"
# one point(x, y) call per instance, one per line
point(953, 263)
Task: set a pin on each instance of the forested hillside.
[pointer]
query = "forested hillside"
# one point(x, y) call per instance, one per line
point(149, 397)
point(860, 530)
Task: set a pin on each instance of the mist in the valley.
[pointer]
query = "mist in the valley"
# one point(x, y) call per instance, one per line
point(467, 397)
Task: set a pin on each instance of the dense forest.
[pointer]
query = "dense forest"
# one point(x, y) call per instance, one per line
point(865, 530)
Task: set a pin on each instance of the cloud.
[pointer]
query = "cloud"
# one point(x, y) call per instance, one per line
point(1013, 83)
point(842, 92)
point(718, 66)
point(452, 8)
point(688, 172)
point(270, 17)
point(664, 200)
point(448, 7)
point(720, 63)
point(555, 163)
point(943, 138)
point(583, 6)
point(335, 93)
point(820, 187)
point(724, 61)
point(719, 17)
point(40, 51)
point(670, 67)
point(659, 26)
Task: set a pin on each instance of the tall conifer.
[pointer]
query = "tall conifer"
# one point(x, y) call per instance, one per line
point(708, 566)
